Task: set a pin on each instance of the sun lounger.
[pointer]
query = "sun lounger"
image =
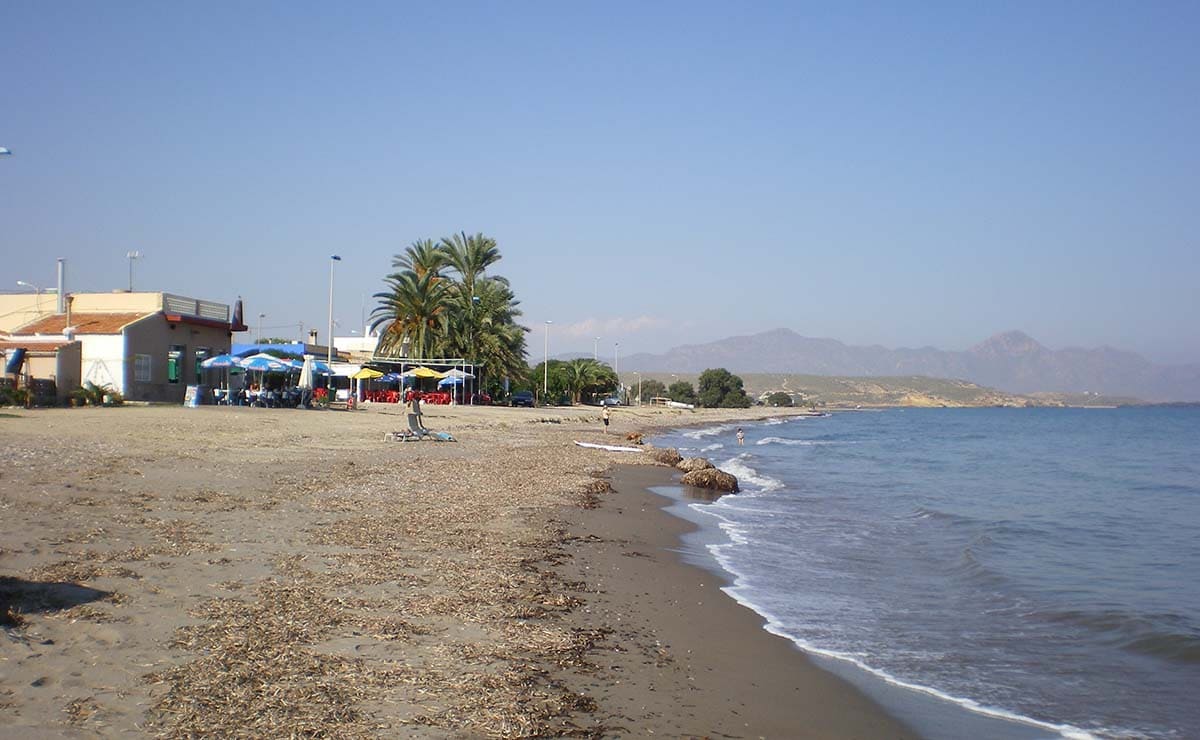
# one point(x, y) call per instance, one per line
point(416, 432)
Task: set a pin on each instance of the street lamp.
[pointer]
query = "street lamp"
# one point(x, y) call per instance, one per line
point(546, 363)
point(639, 403)
point(261, 316)
point(332, 259)
point(617, 367)
point(24, 284)
point(131, 256)
point(474, 384)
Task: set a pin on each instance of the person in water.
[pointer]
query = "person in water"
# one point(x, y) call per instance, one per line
point(741, 437)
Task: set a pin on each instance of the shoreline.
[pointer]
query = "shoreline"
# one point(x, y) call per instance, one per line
point(925, 712)
point(162, 562)
point(702, 663)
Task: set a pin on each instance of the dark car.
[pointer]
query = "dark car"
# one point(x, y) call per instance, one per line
point(522, 398)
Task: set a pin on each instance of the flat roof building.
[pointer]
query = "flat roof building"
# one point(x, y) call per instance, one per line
point(147, 346)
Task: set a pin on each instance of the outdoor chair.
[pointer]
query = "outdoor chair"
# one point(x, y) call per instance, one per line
point(414, 426)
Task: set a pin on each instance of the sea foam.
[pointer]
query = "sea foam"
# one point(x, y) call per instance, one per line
point(748, 477)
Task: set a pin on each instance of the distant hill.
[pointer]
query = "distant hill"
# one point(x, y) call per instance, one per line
point(1012, 362)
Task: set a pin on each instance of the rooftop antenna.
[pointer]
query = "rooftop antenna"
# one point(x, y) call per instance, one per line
point(131, 256)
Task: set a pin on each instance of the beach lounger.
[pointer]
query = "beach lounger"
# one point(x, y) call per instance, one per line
point(416, 432)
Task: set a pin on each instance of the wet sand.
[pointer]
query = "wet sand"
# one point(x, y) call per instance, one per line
point(169, 571)
point(700, 664)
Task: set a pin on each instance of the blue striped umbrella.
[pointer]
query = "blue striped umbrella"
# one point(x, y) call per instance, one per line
point(221, 361)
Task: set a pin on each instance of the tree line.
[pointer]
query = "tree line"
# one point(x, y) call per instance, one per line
point(441, 301)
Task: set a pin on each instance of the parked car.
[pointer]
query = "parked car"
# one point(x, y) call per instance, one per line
point(610, 401)
point(481, 399)
point(522, 398)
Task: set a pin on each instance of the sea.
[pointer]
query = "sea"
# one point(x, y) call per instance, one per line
point(990, 573)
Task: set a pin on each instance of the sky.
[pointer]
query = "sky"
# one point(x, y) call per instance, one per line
point(902, 174)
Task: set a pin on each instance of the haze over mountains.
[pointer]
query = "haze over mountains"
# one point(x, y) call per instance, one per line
point(1012, 361)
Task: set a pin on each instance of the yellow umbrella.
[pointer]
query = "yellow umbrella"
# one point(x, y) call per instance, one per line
point(367, 374)
point(423, 372)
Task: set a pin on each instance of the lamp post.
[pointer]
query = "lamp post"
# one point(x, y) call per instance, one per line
point(474, 384)
point(261, 316)
point(131, 256)
point(36, 289)
point(546, 363)
point(332, 259)
point(639, 403)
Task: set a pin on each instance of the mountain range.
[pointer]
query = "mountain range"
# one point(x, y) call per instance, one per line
point(1011, 361)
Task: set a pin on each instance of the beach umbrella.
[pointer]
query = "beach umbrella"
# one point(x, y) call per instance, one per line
point(422, 372)
point(265, 364)
point(306, 373)
point(221, 361)
point(320, 368)
point(449, 381)
point(367, 373)
point(456, 373)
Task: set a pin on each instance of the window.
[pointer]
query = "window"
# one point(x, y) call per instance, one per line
point(202, 354)
point(175, 363)
point(141, 368)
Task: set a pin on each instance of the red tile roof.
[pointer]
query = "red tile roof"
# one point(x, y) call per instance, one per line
point(84, 323)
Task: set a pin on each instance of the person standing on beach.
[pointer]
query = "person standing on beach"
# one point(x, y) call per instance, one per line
point(741, 436)
point(604, 415)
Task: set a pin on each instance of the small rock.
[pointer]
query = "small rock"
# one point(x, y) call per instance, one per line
point(665, 455)
point(688, 464)
point(717, 480)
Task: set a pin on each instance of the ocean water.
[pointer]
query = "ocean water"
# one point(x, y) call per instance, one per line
point(1036, 566)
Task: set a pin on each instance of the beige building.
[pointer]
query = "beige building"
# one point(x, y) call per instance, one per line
point(147, 346)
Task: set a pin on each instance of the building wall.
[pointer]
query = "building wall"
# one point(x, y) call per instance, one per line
point(61, 366)
point(18, 309)
point(67, 370)
point(154, 337)
point(119, 302)
point(102, 360)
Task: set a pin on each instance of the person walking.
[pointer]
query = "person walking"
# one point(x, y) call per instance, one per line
point(741, 436)
point(604, 415)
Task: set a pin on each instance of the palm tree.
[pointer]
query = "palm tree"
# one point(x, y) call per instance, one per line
point(421, 257)
point(487, 332)
point(414, 308)
point(443, 304)
point(469, 256)
point(584, 373)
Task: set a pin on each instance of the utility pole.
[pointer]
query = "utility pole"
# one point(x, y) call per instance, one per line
point(131, 256)
point(546, 363)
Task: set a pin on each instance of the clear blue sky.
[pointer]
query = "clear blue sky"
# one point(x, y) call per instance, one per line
point(906, 174)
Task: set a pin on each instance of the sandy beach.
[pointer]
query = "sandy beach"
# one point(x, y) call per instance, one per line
point(212, 571)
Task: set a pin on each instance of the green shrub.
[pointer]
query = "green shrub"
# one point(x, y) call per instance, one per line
point(718, 388)
point(90, 394)
point(779, 398)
